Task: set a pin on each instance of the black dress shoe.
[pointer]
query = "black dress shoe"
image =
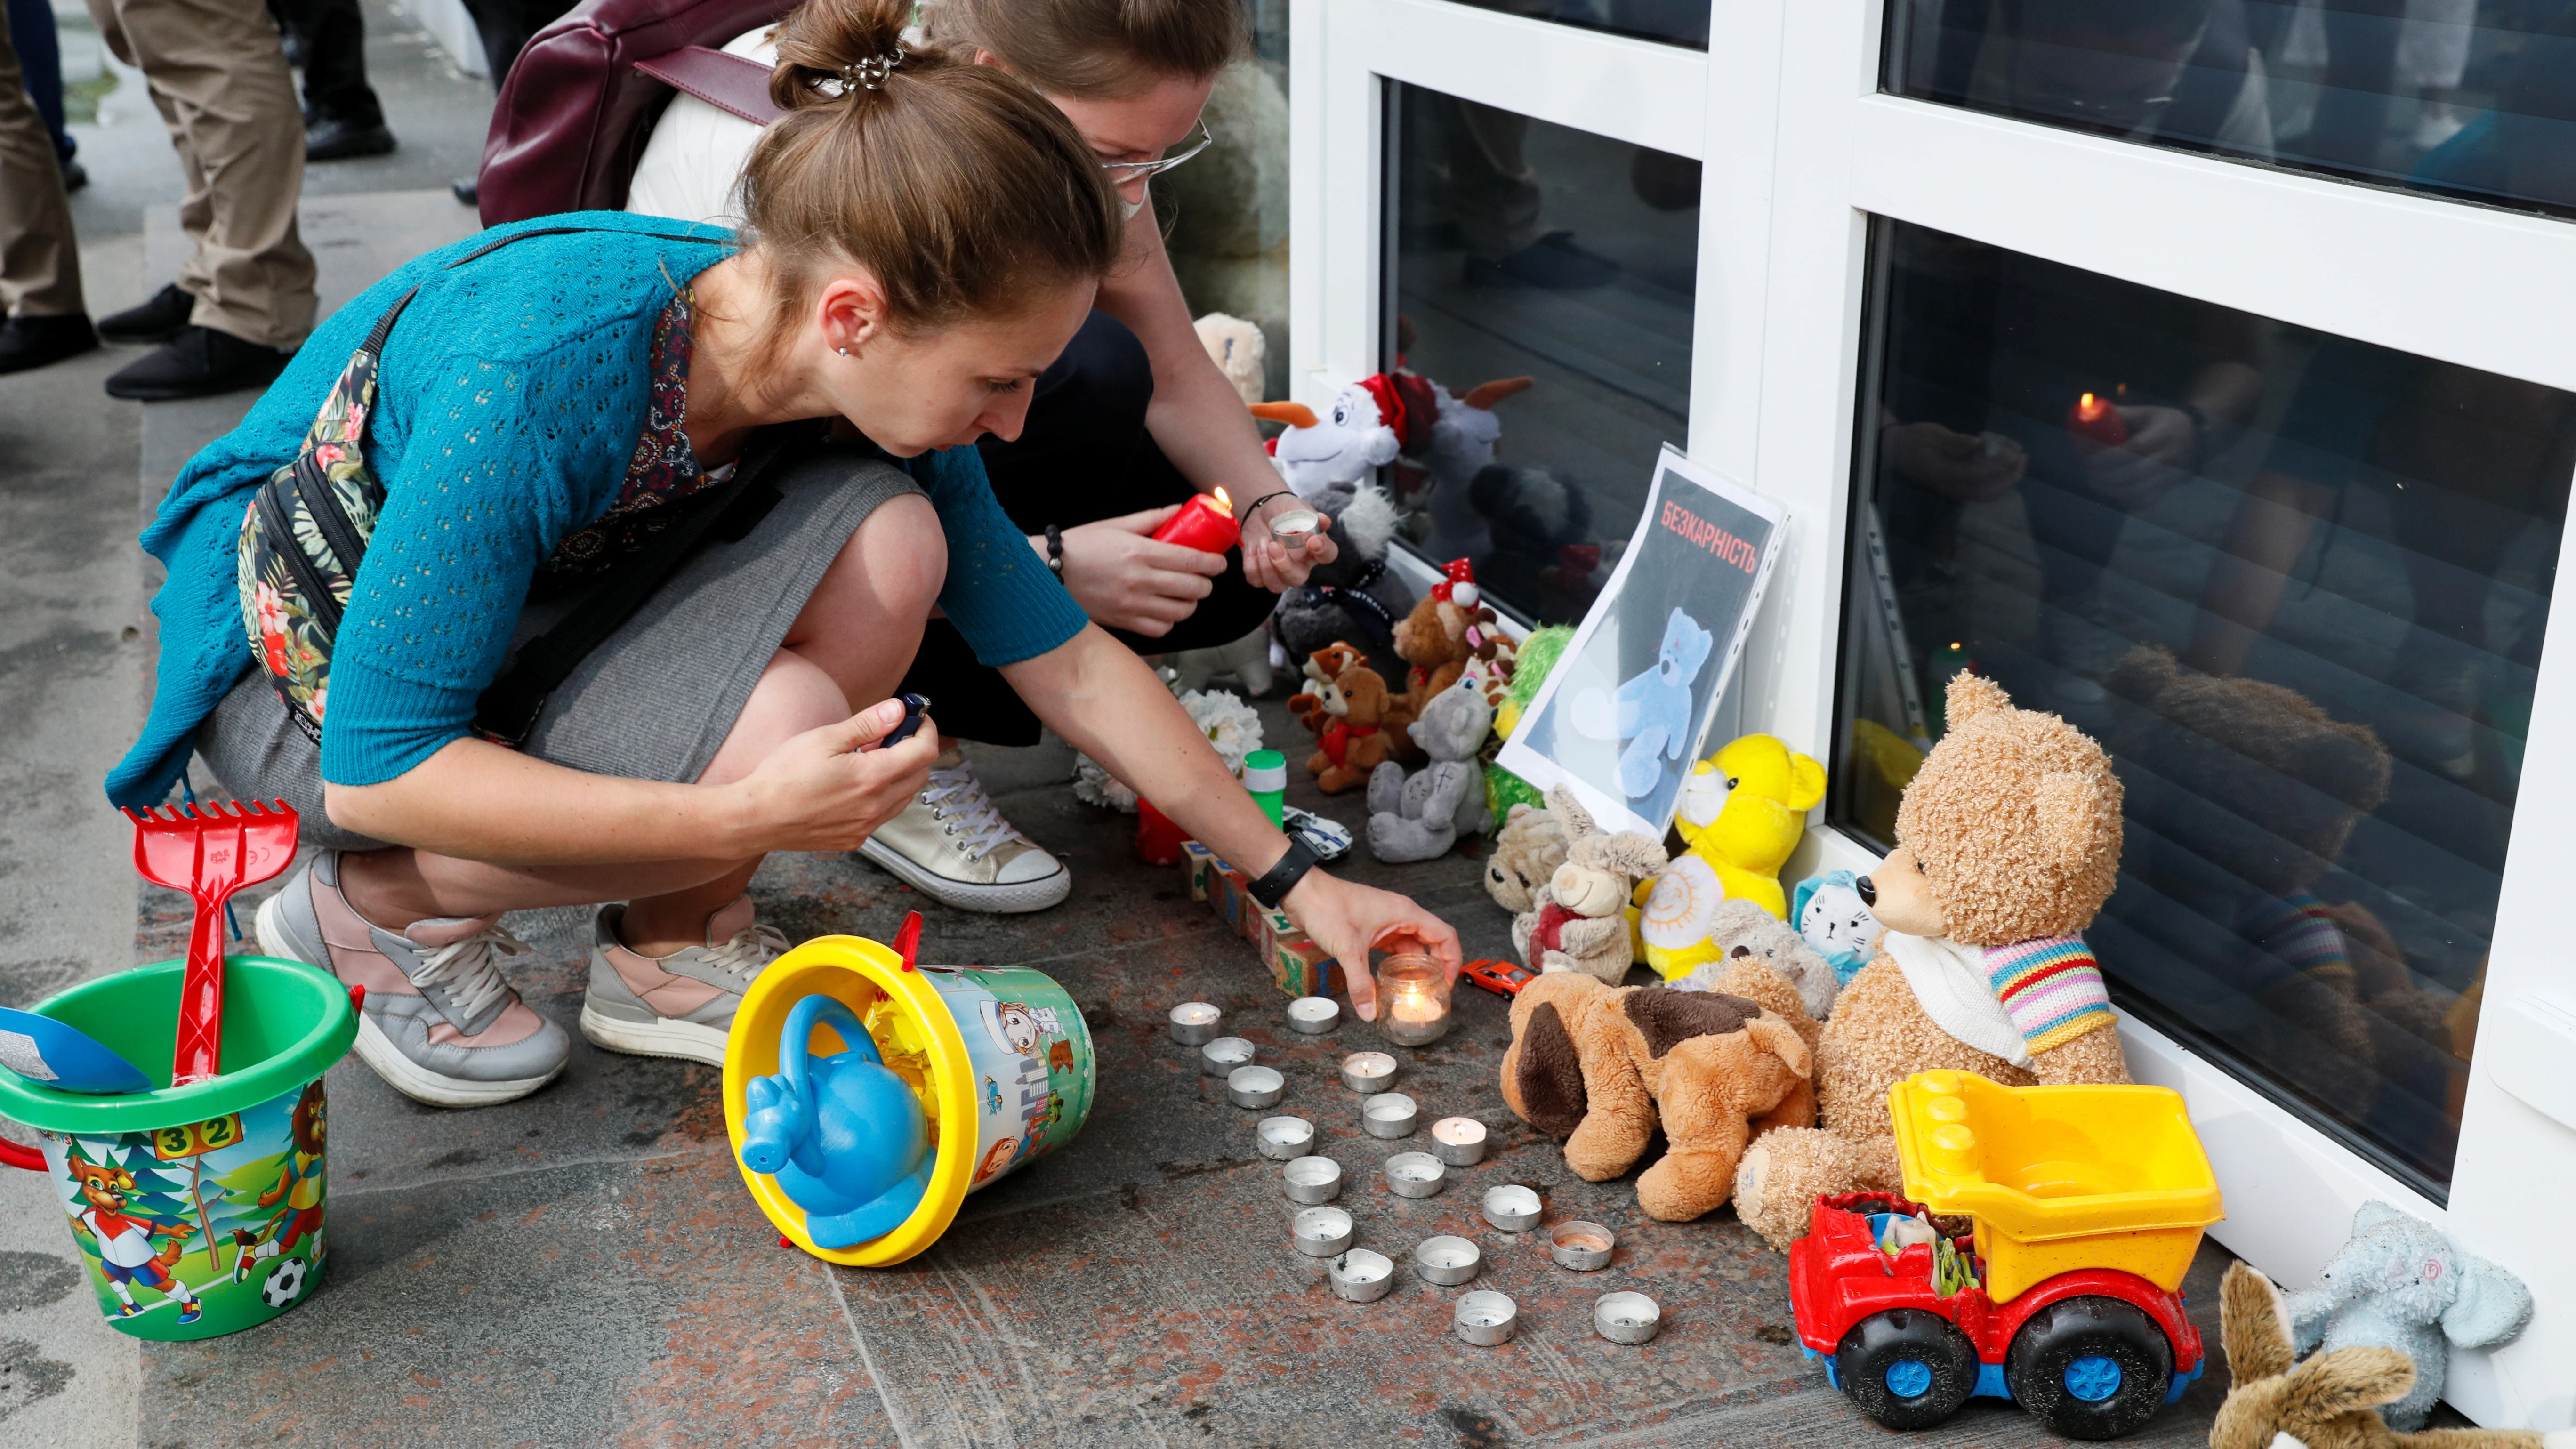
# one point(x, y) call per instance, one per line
point(27, 342)
point(330, 140)
point(200, 362)
point(468, 191)
point(75, 176)
point(159, 320)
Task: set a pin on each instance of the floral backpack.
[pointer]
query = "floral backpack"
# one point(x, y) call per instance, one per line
point(305, 536)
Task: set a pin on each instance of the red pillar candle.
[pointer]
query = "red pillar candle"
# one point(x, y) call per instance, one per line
point(1204, 523)
point(2094, 418)
point(1158, 840)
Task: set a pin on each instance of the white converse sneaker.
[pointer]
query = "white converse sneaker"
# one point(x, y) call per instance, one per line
point(952, 843)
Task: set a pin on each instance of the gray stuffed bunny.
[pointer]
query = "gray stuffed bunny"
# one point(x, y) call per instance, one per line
point(1419, 816)
point(2400, 1284)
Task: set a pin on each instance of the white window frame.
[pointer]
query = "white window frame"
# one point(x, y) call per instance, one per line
point(1799, 151)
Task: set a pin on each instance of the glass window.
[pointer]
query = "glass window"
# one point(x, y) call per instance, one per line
point(1525, 249)
point(2466, 98)
point(2294, 583)
point(1676, 22)
point(1225, 212)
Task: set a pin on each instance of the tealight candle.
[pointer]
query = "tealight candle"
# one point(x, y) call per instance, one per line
point(1284, 1139)
point(1414, 1174)
point(1512, 1207)
point(1255, 1086)
point(1487, 1318)
point(1293, 526)
point(1368, 1071)
point(1581, 1246)
point(1389, 1114)
point(1412, 999)
point(1205, 523)
point(1459, 1141)
point(1314, 1015)
point(1322, 1232)
point(1220, 1057)
point(1446, 1261)
point(1194, 1023)
point(1360, 1276)
point(1627, 1317)
point(1311, 1180)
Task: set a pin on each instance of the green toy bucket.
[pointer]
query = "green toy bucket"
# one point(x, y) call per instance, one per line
point(197, 1209)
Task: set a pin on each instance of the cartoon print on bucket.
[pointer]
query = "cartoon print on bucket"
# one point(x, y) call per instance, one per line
point(200, 1228)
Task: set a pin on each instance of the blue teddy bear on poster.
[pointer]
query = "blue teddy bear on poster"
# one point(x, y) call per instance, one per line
point(1652, 711)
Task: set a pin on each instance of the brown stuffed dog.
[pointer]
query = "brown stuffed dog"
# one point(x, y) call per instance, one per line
point(1353, 739)
point(1321, 668)
point(2009, 843)
point(1602, 1066)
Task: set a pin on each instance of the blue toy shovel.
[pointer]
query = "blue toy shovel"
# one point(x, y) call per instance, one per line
point(51, 1054)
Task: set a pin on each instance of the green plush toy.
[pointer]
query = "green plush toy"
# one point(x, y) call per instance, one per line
point(1530, 667)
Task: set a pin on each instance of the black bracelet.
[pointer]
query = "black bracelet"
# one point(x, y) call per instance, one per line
point(1274, 886)
point(1245, 521)
point(1055, 550)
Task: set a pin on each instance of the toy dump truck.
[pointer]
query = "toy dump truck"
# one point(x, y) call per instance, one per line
point(2036, 1255)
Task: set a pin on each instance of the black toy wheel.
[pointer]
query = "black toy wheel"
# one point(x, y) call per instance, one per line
point(2090, 1368)
point(1908, 1368)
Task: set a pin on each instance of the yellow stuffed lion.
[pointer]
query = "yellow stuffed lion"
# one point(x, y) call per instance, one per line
point(1742, 812)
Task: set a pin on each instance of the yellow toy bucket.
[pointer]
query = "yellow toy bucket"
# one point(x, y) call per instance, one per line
point(999, 1057)
point(2058, 1178)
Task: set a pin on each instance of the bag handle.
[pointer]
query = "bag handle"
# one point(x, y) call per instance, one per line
point(734, 84)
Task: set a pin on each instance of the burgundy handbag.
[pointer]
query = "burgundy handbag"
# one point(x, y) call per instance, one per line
point(582, 97)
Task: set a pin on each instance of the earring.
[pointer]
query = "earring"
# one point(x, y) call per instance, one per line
point(844, 351)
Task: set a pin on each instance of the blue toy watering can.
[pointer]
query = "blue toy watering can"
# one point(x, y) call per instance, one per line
point(843, 1136)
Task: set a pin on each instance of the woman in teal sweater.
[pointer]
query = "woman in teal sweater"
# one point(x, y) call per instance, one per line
point(925, 235)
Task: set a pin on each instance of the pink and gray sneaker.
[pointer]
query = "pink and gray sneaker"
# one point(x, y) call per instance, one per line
point(439, 1023)
point(680, 1005)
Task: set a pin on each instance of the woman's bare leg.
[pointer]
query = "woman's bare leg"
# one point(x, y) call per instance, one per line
point(849, 647)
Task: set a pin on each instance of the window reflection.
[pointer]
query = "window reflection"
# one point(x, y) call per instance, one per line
point(1225, 214)
point(1676, 22)
point(2467, 98)
point(1525, 249)
point(2296, 584)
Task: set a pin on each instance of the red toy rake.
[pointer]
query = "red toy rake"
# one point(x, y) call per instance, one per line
point(209, 851)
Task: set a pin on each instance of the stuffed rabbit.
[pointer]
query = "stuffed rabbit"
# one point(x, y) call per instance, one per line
point(1580, 920)
point(2329, 1401)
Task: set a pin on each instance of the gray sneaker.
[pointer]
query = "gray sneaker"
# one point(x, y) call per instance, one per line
point(952, 844)
point(439, 1023)
point(680, 1005)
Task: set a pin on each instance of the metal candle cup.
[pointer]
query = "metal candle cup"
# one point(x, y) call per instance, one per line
point(1447, 1261)
point(1389, 1115)
point(1255, 1086)
point(1512, 1207)
point(1415, 1174)
point(1204, 523)
point(1314, 1015)
point(1293, 526)
point(1368, 1071)
point(1322, 1232)
point(1486, 1318)
point(1581, 1246)
point(1458, 1141)
point(1360, 1276)
point(1284, 1139)
point(1220, 1057)
point(1194, 1023)
point(1311, 1180)
point(1627, 1317)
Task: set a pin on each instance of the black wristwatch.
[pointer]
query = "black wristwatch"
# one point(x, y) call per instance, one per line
point(1055, 550)
point(1274, 886)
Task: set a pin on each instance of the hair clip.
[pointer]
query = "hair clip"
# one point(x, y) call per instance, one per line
point(872, 72)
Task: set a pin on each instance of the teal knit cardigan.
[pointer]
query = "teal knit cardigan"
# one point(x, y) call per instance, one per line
point(508, 401)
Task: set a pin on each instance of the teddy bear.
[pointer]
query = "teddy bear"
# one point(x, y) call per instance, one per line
point(2008, 843)
point(1741, 812)
point(1651, 711)
point(1742, 931)
point(1418, 817)
point(1602, 1067)
point(1836, 922)
point(1321, 668)
point(1527, 850)
point(1580, 919)
point(2398, 1283)
point(1356, 599)
point(2326, 1401)
point(1352, 741)
point(1450, 630)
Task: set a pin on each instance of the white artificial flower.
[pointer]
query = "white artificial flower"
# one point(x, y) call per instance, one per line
point(1229, 724)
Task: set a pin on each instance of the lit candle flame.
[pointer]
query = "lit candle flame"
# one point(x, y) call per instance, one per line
point(1225, 505)
point(2089, 407)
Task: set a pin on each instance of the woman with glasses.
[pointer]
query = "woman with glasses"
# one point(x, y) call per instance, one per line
point(1127, 424)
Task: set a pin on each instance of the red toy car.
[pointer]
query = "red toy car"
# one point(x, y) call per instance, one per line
point(1503, 978)
point(1909, 1336)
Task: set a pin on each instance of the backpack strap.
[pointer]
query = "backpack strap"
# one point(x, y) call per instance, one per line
point(734, 84)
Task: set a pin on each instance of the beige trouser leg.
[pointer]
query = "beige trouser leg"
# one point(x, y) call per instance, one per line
point(39, 259)
point(219, 77)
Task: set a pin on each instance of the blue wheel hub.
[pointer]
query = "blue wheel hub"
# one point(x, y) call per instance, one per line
point(1912, 1378)
point(2091, 1378)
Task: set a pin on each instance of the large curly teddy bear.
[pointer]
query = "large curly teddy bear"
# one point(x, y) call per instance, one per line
point(2009, 842)
point(1603, 1067)
point(1651, 711)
